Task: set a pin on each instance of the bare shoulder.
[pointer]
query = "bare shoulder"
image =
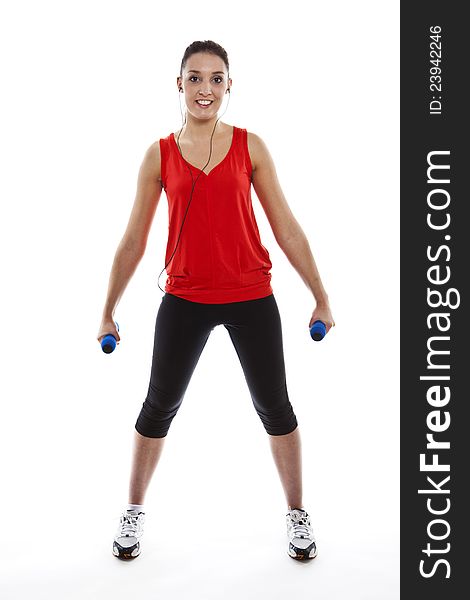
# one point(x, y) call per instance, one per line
point(152, 161)
point(258, 150)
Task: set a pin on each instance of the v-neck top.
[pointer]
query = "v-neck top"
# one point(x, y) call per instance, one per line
point(220, 257)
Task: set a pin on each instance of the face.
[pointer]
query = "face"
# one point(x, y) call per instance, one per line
point(204, 78)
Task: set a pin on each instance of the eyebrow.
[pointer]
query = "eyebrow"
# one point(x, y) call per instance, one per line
point(213, 72)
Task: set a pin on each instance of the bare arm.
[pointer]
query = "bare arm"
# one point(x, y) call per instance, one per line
point(287, 231)
point(133, 244)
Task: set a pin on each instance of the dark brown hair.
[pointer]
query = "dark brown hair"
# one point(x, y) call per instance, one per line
point(205, 46)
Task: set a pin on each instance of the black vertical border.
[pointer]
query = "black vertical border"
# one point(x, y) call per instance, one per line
point(421, 133)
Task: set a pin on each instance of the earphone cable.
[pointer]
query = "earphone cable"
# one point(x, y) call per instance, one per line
point(193, 181)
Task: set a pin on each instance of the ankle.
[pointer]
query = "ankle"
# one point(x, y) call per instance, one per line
point(137, 507)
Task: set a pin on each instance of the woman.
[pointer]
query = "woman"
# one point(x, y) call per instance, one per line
point(218, 273)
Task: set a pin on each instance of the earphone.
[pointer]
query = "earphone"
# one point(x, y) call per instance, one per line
point(194, 182)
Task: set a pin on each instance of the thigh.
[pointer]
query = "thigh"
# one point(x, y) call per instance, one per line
point(181, 332)
point(256, 333)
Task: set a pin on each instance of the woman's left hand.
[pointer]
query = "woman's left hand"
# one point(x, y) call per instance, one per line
point(323, 313)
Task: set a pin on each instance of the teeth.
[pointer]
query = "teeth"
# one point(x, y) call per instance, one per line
point(204, 101)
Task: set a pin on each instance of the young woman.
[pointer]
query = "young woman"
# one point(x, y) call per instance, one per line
point(218, 274)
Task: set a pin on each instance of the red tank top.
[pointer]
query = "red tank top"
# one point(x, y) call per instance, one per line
point(220, 257)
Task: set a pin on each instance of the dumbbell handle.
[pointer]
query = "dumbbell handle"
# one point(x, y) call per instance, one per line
point(108, 343)
point(318, 330)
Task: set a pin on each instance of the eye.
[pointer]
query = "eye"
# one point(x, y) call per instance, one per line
point(216, 77)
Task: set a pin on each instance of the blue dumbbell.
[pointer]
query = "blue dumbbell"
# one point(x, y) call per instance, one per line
point(318, 330)
point(108, 343)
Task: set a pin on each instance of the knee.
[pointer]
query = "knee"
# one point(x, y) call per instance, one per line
point(276, 412)
point(157, 412)
point(280, 424)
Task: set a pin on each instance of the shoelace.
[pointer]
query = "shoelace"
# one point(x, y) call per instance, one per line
point(300, 525)
point(129, 524)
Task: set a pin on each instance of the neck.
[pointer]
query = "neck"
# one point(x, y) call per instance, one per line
point(200, 129)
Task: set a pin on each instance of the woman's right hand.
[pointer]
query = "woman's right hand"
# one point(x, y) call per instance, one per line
point(108, 326)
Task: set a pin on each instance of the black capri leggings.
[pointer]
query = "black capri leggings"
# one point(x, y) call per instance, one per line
point(181, 331)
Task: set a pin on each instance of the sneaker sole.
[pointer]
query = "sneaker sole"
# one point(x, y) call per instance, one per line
point(299, 554)
point(126, 553)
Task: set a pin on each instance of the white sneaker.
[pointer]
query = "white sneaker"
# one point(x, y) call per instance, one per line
point(302, 543)
point(126, 542)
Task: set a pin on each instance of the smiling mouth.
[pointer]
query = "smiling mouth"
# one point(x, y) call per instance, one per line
point(208, 103)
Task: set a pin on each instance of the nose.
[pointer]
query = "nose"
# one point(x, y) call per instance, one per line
point(205, 89)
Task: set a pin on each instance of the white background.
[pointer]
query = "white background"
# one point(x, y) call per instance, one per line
point(87, 87)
